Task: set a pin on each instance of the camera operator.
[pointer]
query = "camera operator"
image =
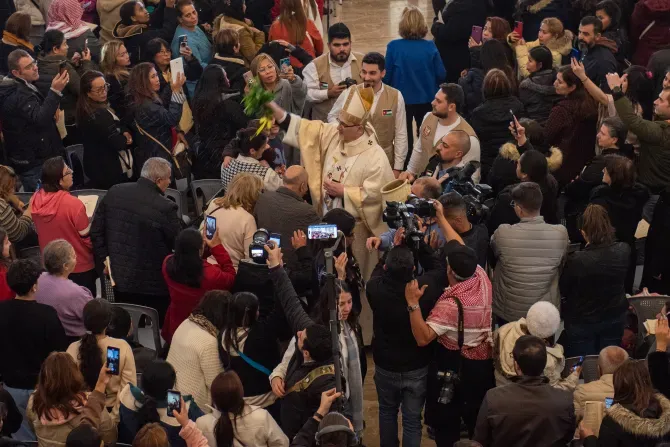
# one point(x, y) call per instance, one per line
point(462, 370)
point(449, 154)
point(475, 236)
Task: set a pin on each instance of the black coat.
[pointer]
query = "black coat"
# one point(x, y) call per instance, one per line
point(537, 94)
point(532, 12)
point(215, 131)
point(117, 96)
point(451, 37)
point(659, 371)
point(619, 35)
point(490, 122)
point(136, 37)
point(5, 49)
point(28, 125)
point(592, 283)
point(157, 121)
point(624, 208)
point(599, 61)
point(136, 226)
point(13, 418)
point(235, 69)
point(102, 137)
point(658, 64)
point(472, 83)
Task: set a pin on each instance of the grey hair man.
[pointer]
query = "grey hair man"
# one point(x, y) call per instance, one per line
point(133, 230)
point(609, 360)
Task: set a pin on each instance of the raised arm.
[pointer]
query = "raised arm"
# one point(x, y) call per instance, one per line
point(594, 90)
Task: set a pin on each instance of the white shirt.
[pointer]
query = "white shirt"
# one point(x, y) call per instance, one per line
point(337, 74)
point(473, 153)
point(400, 137)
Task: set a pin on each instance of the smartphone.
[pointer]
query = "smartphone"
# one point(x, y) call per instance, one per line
point(579, 363)
point(575, 53)
point(276, 238)
point(518, 28)
point(248, 77)
point(183, 40)
point(516, 128)
point(173, 402)
point(113, 360)
point(322, 232)
point(85, 45)
point(210, 227)
point(477, 33)
point(284, 64)
point(62, 67)
point(608, 402)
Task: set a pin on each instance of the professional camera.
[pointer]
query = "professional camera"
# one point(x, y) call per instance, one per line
point(257, 251)
point(403, 215)
point(347, 82)
point(473, 195)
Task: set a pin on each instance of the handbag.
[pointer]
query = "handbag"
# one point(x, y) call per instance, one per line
point(180, 157)
point(451, 379)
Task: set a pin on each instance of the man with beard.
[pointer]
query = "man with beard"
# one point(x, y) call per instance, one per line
point(325, 76)
point(597, 51)
point(388, 111)
point(443, 119)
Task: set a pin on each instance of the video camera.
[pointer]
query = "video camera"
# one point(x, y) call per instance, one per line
point(347, 82)
point(257, 251)
point(473, 195)
point(404, 215)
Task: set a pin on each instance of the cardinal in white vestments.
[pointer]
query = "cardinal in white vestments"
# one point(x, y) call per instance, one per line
point(346, 166)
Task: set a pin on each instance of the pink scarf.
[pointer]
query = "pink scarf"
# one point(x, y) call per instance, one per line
point(65, 16)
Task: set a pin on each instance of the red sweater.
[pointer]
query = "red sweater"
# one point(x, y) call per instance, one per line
point(5, 292)
point(312, 44)
point(183, 298)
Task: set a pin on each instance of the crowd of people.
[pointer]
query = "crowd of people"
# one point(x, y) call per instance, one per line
point(483, 195)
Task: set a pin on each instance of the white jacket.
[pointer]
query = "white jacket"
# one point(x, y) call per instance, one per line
point(255, 428)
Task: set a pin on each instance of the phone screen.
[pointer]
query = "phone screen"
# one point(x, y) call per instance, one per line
point(183, 40)
point(210, 228)
point(516, 129)
point(86, 45)
point(284, 64)
point(609, 401)
point(113, 360)
point(173, 402)
point(579, 363)
point(322, 232)
point(248, 77)
point(276, 238)
point(575, 53)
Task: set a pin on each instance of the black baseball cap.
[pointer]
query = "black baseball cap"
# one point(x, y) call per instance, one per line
point(461, 258)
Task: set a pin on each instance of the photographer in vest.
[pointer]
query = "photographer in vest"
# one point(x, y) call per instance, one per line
point(443, 119)
point(387, 115)
point(333, 72)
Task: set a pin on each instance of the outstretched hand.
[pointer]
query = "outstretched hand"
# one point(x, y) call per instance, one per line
point(413, 293)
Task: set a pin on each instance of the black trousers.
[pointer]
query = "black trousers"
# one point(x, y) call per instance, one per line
point(158, 302)
point(476, 378)
point(414, 113)
point(86, 279)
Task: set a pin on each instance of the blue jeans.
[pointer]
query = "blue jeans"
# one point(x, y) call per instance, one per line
point(406, 391)
point(589, 339)
point(30, 178)
point(21, 397)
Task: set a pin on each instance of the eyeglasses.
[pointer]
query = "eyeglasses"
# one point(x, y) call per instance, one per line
point(165, 52)
point(100, 89)
point(68, 172)
point(30, 66)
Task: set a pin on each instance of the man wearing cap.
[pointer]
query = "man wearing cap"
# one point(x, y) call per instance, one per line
point(388, 111)
point(466, 352)
point(346, 166)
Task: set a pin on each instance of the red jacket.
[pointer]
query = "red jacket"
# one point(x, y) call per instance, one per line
point(312, 42)
point(183, 298)
point(657, 36)
point(275, 9)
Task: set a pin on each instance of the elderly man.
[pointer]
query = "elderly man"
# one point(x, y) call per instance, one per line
point(609, 360)
point(347, 168)
point(133, 230)
point(284, 211)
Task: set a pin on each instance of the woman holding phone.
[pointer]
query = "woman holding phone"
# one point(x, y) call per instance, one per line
point(294, 27)
point(552, 34)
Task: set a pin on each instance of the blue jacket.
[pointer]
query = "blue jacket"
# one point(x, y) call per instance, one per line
point(414, 67)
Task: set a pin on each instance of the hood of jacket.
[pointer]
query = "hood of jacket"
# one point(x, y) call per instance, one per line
point(534, 6)
point(541, 82)
point(46, 204)
point(122, 31)
point(562, 45)
point(643, 427)
point(509, 151)
point(656, 7)
point(7, 87)
point(59, 418)
point(497, 109)
point(607, 43)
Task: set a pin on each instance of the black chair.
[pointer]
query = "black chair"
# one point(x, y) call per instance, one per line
point(177, 197)
point(136, 313)
point(203, 191)
point(590, 371)
point(75, 158)
point(646, 308)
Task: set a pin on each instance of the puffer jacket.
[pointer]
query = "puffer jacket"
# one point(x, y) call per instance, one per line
point(48, 71)
point(28, 125)
point(135, 225)
point(504, 339)
point(622, 427)
point(490, 122)
point(530, 255)
point(560, 48)
point(538, 94)
point(654, 14)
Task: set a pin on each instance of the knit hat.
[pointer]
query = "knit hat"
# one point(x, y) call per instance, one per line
point(543, 319)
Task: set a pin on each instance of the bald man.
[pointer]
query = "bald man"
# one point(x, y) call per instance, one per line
point(450, 152)
point(284, 211)
point(609, 360)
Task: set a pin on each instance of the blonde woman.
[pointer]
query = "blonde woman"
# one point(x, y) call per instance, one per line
point(234, 215)
point(552, 34)
point(115, 65)
point(289, 89)
point(16, 222)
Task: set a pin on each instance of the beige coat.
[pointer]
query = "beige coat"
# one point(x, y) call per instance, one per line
point(593, 391)
point(255, 428)
point(504, 339)
point(251, 39)
point(127, 371)
point(236, 229)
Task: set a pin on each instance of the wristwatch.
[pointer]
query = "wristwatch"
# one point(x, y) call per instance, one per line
point(412, 308)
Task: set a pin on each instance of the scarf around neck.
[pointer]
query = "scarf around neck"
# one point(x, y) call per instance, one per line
point(12, 39)
point(204, 324)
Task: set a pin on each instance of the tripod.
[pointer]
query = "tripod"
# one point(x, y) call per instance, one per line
point(333, 320)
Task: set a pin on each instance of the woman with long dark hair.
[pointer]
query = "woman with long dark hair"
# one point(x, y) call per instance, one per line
point(108, 159)
point(218, 115)
point(57, 405)
point(90, 353)
point(235, 420)
point(189, 276)
point(571, 124)
point(154, 119)
point(294, 27)
point(148, 404)
point(537, 92)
